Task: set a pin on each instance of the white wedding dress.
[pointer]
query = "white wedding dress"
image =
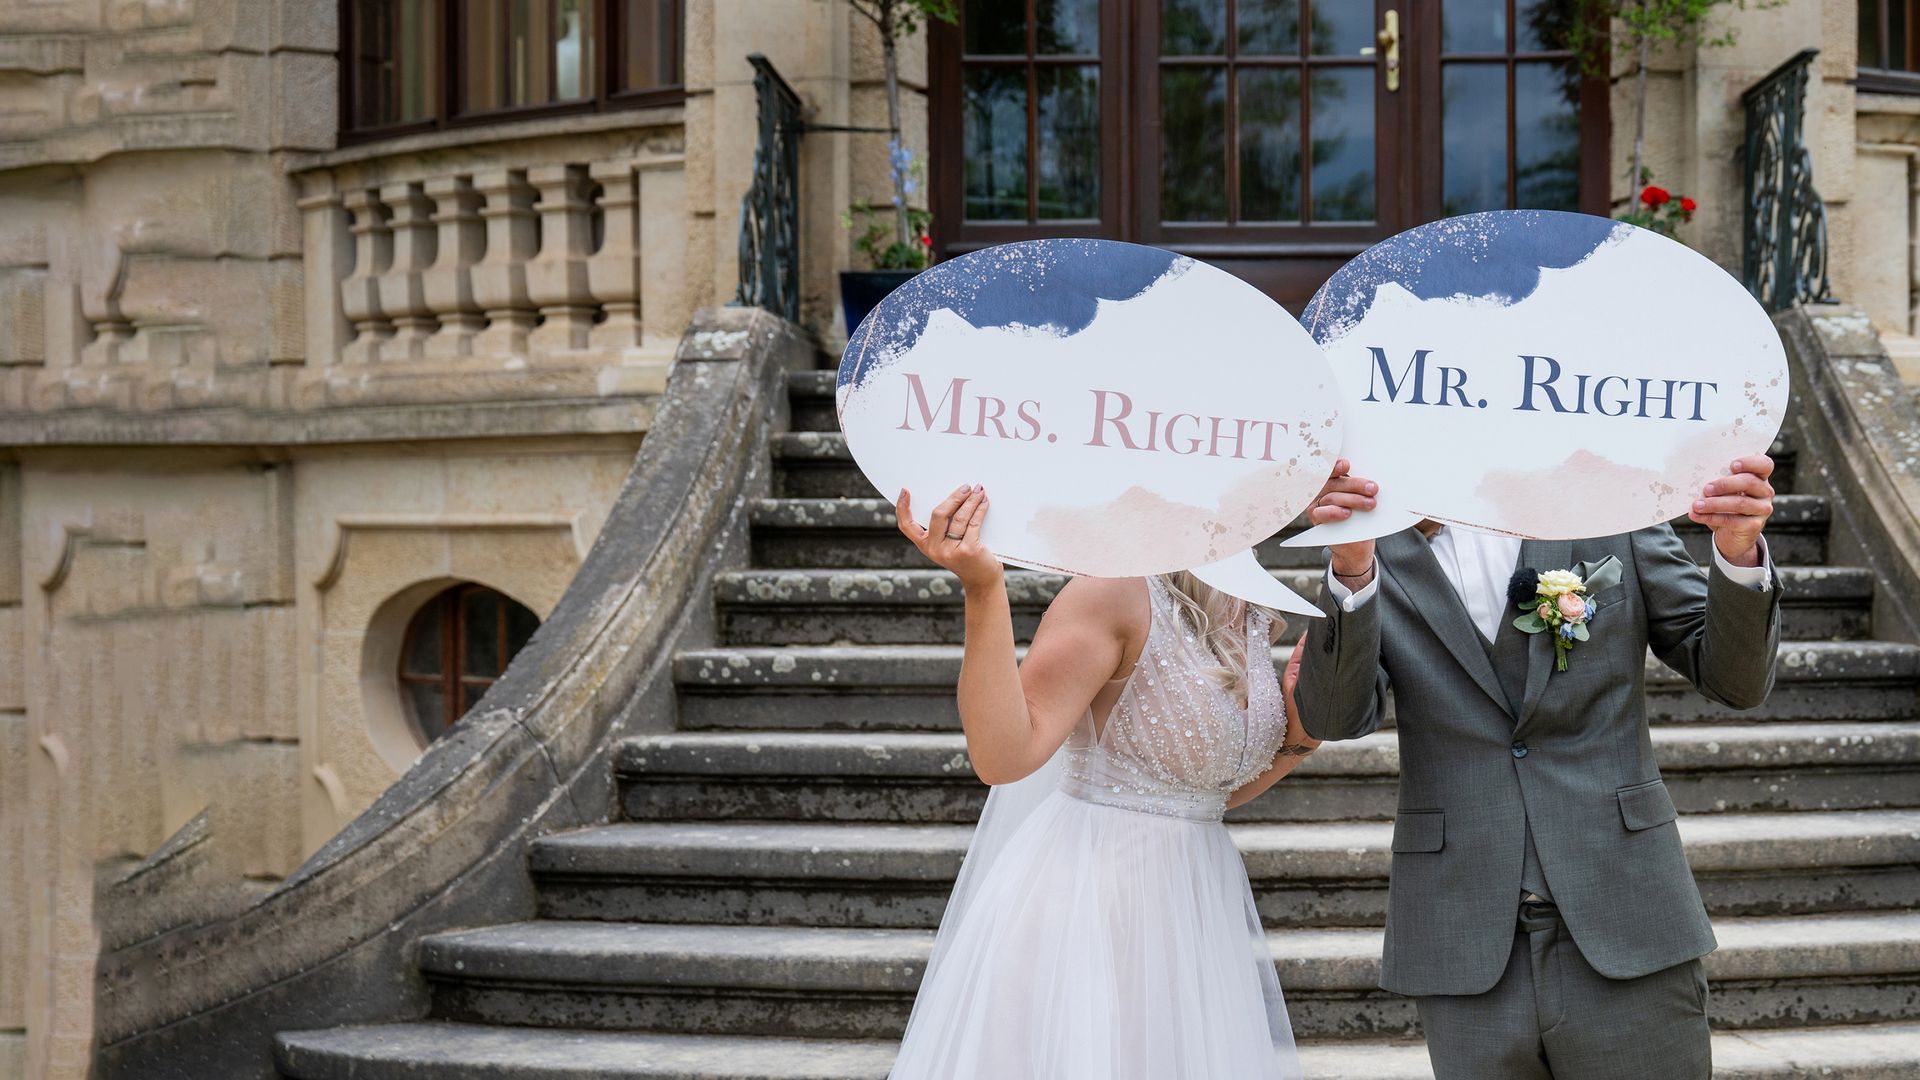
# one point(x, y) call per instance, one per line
point(1102, 927)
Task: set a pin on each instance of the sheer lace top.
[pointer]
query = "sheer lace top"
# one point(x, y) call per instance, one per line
point(1176, 742)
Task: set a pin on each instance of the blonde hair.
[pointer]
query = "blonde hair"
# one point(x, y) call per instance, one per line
point(1220, 622)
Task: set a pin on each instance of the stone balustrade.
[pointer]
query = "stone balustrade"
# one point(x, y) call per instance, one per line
point(552, 267)
point(542, 260)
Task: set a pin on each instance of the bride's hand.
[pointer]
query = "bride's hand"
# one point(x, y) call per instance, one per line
point(952, 538)
point(1298, 742)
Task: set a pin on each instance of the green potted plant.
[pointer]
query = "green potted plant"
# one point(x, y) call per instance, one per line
point(894, 240)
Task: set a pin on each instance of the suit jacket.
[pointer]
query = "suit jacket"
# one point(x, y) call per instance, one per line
point(1568, 752)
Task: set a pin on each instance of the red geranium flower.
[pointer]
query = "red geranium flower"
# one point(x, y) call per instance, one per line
point(1654, 195)
point(926, 241)
point(1688, 206)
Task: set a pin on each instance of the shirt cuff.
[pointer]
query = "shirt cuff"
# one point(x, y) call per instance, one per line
point(1349, 600)
point(1758, 578)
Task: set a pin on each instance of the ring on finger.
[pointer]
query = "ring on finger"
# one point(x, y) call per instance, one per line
point(951, 536)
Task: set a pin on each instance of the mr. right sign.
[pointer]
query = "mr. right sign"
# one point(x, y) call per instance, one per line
point(1542, 374)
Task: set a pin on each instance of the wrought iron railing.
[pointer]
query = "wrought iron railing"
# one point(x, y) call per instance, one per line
point(1784, 258)
point(770, 210)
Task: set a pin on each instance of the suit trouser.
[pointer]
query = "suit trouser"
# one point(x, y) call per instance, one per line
point(1552, 1017)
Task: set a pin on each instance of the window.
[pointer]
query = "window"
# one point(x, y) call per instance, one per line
point(455, 647)
point(420, 64)
point(1890, 45)
point(1510, 106)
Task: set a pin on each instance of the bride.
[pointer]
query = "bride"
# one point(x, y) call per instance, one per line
point(1102, 927)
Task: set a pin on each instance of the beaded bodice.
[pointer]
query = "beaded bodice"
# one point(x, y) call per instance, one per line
point(1176, 742)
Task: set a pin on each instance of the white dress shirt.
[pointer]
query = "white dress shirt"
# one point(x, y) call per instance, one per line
point(1480, 564)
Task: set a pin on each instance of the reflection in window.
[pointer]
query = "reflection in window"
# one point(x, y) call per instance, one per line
point(1507, 60)
point(506, 54)
point(1890, 35)
point(1030, 116)
point(457, 646)
point(1253, 166)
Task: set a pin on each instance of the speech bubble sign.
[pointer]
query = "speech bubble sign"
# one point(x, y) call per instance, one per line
point(1130, 411)
point(1542, 374)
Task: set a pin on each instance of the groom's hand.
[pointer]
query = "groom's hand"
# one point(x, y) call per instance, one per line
point(1736, 508)
point(1343, 496)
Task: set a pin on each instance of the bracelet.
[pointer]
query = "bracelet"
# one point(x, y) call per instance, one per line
point(1368, 572)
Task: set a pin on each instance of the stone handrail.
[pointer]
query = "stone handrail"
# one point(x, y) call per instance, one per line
point(1859, 435)
point(444, 847)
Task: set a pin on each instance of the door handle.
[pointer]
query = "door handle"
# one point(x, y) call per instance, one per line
point(1389, 39)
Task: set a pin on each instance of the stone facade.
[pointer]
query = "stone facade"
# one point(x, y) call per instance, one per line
point(262, 395)
point(1863, 148)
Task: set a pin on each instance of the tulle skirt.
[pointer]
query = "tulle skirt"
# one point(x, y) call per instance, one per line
point(1093, 942)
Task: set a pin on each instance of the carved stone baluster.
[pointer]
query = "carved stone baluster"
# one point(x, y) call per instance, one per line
point(326, 253)
point(449, 281)
point(557, 276)
point(360, 292)
point(402, 294)
point(500, 278)
point(613, 272)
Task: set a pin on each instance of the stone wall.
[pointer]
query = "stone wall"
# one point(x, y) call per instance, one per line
point(262, 395)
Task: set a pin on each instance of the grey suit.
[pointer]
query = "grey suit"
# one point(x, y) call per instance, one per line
point(1563, 759)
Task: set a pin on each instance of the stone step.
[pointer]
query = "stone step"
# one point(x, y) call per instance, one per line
point(1303, 875)
point(886, 776)
point(816, 462)
point(858, 983)
point(859, 534)
point(436, 1050)
point(925, 606)
point(910, 687)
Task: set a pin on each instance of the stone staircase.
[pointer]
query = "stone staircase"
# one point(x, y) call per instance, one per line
point(765, 902)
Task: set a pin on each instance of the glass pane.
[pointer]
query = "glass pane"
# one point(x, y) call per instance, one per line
point(1066, 26)
point(521, 623)
point(1341, 27)
point(529, 52)
point(423, 639)
point(1193, 143)
point(1268, 27)
point(1269, 144)
point(480, 633)
point(412, 63)
point(1474, 26)
point(995, 27)
point(374, 62)
point(650, 32)
point(428, 707)
point(1900, 50)
point(1343, 161)
point(1069, 141)
point(1473, 134)
point(572, 49)
point(1193, 27)
point(996, 142)
point(1545, 25)
point(482, 77)
point(1546, 114)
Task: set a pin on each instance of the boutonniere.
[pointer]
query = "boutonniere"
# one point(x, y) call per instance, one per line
point(1560, 602)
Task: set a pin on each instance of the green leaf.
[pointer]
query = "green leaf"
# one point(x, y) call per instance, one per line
point(1530, 623)
point(1580, 632)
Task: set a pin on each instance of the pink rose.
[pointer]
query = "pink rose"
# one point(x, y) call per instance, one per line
point(1545, 611)
point(1572, 608)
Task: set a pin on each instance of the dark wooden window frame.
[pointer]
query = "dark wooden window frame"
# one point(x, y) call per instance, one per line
point(449, 607)
point(605, 92)
point(1877, 75)
point(1406, 145)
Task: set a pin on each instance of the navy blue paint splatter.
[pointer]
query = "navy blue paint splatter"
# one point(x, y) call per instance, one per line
point(1051, 284)
point(1494, 256)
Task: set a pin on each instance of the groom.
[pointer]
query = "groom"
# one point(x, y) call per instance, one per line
point(1541, 912)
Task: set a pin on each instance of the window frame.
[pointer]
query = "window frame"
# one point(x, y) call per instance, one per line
point(1876, 78)
point(448, 608)
point(605, 94)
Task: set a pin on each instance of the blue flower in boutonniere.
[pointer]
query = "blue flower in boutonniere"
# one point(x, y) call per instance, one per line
point(1559, 602)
